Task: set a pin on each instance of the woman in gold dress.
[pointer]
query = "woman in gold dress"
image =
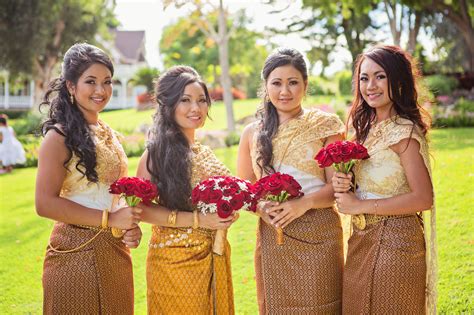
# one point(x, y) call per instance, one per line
point(386, 267)
point(304, 275)
point(184, 276)
point(86, 269)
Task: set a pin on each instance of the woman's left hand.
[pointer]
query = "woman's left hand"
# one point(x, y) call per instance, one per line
point(284, 213)
point(348, 203)
point(132, 237)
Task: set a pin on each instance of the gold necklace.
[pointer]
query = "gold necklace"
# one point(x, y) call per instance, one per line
point(292, 117)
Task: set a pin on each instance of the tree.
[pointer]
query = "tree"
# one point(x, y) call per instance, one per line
point(146, 76)
point(220, 35)
point(459, 12)
point(35, 34)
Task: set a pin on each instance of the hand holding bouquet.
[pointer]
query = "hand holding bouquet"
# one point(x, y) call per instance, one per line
point(134, 190)
point(278, 187)
point(223, 195)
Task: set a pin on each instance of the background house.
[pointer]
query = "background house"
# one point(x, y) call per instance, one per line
point(127, 51)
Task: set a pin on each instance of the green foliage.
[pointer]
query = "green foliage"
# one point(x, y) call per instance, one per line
point(146, 76)
point(319, 86)
point(29, 124)
point(25, 235)
point(231, 139)
point(37, 32)
point(344, 79)
point(464, 106)
point(440, 84)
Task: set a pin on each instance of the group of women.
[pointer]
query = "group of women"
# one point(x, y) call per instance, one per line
point(390, 257)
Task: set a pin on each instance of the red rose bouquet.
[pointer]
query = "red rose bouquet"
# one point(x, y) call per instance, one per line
point(134, 190)
point(223, 195)
point(278, 187)
point(343, 154)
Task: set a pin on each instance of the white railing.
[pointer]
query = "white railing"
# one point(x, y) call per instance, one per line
point(26, 102)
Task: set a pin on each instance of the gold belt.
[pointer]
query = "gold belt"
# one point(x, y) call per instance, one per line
point(360, 221)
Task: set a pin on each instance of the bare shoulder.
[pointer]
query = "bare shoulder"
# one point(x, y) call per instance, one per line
point(250, 130)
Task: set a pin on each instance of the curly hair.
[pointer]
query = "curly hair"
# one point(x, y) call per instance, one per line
point(66, 114)
point(169, 161)
point(403, 74)
point(267, 114)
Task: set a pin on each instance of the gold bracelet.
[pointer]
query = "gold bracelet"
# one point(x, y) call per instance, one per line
point(376, 206)
point(172, 217)
point(195, 219)
point(105, 218)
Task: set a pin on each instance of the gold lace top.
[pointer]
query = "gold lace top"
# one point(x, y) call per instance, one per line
point(297, 143)
point(383, 174)
point(205, 164)
point(111, 162)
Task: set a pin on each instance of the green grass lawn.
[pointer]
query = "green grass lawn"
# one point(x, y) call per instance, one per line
point(24, 235)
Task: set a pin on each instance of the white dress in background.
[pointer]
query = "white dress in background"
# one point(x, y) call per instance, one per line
point(11, 150)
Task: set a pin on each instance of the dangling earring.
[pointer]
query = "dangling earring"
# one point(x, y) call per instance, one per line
point(71, 98)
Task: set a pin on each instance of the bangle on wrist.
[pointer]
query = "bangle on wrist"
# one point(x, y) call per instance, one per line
point(105, 219)
point(195, 219)
point(172, 217)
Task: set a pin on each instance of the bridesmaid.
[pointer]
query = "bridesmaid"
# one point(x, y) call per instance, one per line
point(304, 275)
point(184, 276)
point(385, 271)
point(86, 269)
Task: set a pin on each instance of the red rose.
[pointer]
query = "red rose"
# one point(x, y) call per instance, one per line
point(360, 152)
point(347, 149)
point(224, 209)
point(237, 201)
point(215, 196)
point(324, 158)
point(334, 150)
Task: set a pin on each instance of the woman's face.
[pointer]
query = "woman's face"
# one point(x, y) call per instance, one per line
point(93, 89)
point(192, 108)
point(373, 85)
point(286, 88)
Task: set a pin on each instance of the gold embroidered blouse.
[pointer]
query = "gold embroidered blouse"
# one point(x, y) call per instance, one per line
point(296, 144)
point(111, 162)
point(382, 174)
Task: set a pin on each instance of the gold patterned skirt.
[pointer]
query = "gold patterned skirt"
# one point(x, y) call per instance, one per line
point(385, 268)
point(96, 279)
point(184, 276)
point(304, 275)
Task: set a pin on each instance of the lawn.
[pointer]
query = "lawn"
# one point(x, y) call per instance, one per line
point(24, 235)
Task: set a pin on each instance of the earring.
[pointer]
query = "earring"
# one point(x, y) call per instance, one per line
point(71, 98)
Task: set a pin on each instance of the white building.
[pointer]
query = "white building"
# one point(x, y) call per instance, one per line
point(128, 55)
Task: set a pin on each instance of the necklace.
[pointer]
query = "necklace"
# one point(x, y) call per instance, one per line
point(301, 111)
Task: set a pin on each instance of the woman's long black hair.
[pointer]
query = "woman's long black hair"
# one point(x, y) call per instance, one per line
point(169, 161)
point(66, 114)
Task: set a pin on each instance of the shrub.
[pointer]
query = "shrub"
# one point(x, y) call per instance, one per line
point(440, 84)
point(30, 124)
point(318, 86)
point(231, 139)
point(344, 79)
point(464, 106)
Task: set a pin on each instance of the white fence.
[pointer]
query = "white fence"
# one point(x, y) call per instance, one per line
point(26, 102)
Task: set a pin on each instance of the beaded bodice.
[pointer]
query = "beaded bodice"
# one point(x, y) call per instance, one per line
point(205, 164)
point(111, 161)
point(383, 174)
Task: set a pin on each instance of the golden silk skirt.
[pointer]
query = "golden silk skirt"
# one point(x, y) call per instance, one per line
point(184, 276)
point(385, 270)
point(304, 275)
point(95, 279)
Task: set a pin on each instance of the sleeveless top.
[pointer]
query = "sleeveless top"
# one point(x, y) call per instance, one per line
point(111, 165)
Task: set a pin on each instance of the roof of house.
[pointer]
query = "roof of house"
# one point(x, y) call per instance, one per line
point(131, 45)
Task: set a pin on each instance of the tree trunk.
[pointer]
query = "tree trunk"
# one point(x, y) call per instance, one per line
point(43, 74)
point(225, 69)
point(413, 32)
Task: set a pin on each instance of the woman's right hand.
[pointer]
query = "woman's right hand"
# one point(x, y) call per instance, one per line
point(341, 182)
point(125, 218)
point(213, 222)
point(262, 207)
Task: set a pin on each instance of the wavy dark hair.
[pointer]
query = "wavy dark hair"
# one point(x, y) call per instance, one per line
point(169, 161)
point(402, 74)
point(267, 113)
point(66, 114)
